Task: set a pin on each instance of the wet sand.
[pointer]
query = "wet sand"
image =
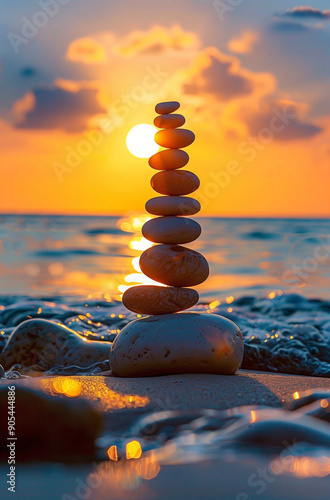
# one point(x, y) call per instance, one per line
point(193, 391)
point(124, 399)
point(188, 391)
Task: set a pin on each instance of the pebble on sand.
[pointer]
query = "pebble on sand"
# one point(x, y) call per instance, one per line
point(45, 343)
point(177, 343)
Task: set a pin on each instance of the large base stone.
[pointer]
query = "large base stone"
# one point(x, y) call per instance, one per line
point(177, 343)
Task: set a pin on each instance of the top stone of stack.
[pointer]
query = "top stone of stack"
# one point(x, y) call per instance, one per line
point(163, 108)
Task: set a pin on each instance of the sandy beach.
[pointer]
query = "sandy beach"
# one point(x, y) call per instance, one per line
point(188, 391)
point(122, 401)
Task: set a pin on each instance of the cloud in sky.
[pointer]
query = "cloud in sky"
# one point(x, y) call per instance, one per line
point(287, 119)
point(306, 12)
point(55, 107)
point(241, 101)
point(244, 43)
point(221, 75)
point(157, 40)
point(86, 50)
point(284, 26)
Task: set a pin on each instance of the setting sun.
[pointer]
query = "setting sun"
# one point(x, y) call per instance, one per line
point(140, 141)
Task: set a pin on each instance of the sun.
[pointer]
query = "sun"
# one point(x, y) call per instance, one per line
point(140, 141)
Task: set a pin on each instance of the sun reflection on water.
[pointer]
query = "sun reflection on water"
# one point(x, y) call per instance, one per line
point(137, 243)
point(120, 476)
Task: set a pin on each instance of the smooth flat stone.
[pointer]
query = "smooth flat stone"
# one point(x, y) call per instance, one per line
point(175, 182)
point(172, 205)
point(150, 299)
point(45, 343)
point(174, 265)
point(171, 230)
point(175, 138)
point(177, 343)
point(169, 121)
point(163, 108)
point(169, 159)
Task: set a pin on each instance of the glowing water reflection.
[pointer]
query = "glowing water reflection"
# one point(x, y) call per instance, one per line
point(56, 255)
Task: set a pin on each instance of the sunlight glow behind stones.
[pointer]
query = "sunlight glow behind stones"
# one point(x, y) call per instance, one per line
point(140, 141)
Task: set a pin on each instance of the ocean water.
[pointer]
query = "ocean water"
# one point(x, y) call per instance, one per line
point(270, 276)
point(64, 255)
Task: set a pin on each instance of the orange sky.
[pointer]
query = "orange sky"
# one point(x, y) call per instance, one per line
point(259, 150)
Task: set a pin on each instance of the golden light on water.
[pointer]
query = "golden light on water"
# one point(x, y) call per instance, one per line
point(253, 417)
point(113, 453)
point(123, 476)
point(140, 244)
point(230, 299)
point(133, 223)
point(133, 450)
point(302, 466)
point(140, 141)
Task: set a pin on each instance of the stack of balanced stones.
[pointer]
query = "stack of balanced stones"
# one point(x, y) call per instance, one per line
point(169, 262)
point(163, 342)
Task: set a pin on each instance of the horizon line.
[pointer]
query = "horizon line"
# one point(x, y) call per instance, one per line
point(131, 213)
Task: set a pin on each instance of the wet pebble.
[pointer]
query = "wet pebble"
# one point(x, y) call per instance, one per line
point(44, 343)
